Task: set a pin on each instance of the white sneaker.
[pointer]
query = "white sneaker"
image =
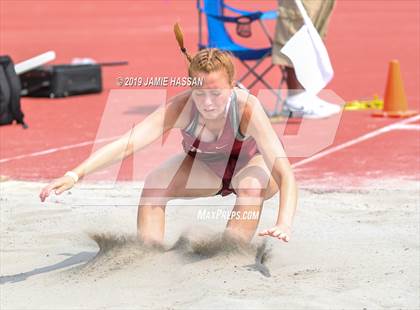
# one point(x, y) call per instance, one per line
point(307, 105)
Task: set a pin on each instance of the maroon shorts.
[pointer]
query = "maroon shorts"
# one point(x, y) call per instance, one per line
point(224, 171)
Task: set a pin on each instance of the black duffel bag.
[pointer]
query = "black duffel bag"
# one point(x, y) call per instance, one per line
point(62, 81)
point(10, 88)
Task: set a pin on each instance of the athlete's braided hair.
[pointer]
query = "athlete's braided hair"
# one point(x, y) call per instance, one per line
point(206, 60)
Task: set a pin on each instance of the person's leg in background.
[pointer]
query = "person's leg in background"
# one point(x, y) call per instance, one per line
point(288, 23)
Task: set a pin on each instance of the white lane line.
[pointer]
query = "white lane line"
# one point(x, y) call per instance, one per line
point(364, 137)
point(408, 127)
point(398, 125)
point(57, 149)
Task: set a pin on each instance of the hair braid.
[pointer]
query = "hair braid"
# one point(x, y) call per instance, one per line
point(209, 63)
point(180, 39)
point(206, 60)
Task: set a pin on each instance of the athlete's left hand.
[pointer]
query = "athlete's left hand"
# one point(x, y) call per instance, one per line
point(280, 231)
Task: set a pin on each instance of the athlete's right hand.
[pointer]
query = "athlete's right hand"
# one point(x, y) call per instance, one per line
point(58, 186)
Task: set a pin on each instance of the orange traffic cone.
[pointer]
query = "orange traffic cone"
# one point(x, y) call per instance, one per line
point(395, 102)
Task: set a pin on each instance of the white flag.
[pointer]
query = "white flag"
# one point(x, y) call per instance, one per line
point(309, 55)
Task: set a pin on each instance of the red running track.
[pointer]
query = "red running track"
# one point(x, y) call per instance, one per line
point(363, 36)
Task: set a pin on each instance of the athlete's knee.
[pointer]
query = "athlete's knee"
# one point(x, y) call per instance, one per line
point(157, 185)
point(250, 187)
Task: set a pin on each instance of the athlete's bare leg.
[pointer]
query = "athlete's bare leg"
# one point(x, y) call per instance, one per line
point(181, 176)
point(253, 185)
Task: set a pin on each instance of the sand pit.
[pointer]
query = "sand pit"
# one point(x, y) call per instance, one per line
point(352, 248)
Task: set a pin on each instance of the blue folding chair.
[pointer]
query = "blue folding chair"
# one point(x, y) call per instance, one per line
point(218, 37)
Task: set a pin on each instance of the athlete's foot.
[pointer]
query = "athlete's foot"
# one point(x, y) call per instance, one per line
point(150, 241)
point(237, 237)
